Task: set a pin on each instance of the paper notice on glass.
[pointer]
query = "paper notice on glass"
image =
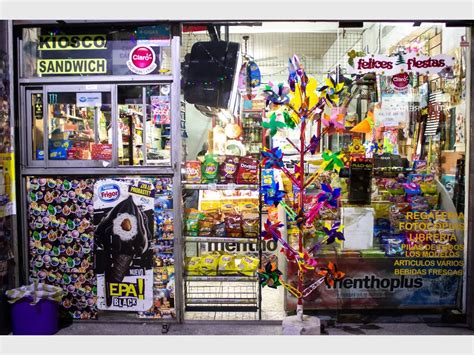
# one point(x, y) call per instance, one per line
point(391, 114)
point(358, 227)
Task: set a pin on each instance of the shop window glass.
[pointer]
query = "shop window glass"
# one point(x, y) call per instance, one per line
point(79, 126)
point(144, 125)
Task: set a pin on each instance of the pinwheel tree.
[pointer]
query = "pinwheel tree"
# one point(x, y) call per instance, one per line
point(298, 104)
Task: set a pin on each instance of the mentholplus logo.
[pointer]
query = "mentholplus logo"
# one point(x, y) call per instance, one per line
point(374, 282)
point(83, 99)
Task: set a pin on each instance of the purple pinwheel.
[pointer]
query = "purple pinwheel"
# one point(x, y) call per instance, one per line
point(277, 95)
point(333, 233)
point(272, 194)
point(313, 144)
point(272, 158)
point(292, 75)
point(329, 196)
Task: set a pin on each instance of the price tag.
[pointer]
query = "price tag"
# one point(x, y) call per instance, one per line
point(212, 186)
point(231, 186)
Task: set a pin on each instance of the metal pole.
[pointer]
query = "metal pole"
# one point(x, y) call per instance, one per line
point(469, 212)
point(176, 154)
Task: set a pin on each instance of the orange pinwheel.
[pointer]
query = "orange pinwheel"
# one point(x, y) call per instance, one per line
point(331, 274)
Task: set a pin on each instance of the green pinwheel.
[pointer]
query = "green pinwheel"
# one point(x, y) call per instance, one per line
point(273, 125)
point(333, 161)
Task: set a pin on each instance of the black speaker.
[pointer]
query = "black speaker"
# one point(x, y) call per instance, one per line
point(360, 182)
point(211, 74)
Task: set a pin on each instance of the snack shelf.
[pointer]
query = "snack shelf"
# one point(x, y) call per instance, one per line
point(221, 278)
point(219, 240)
point(188, 186)
point(222, 300)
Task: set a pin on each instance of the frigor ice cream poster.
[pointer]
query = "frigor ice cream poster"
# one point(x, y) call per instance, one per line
point(123, 219)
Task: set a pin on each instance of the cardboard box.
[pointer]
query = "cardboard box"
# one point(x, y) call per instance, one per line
point(448, 162)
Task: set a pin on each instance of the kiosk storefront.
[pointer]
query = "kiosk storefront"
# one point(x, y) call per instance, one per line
point(140, 181)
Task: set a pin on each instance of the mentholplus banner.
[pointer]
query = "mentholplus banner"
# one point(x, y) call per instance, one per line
point(385, 65)
point(123, 216)
point(387, 283)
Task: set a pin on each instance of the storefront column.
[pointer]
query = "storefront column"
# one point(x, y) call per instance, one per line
point(470, 228)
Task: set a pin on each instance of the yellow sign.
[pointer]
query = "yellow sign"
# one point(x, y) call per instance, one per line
point(72, 42)
point(127, 289)
point(71, 66)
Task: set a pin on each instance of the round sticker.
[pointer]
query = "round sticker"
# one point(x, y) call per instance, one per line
point(400, 81)
point(141, 60)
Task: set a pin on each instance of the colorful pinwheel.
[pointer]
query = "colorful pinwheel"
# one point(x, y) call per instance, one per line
point(272, 194)
point(333, 232)
point(272, 158)
point(313, 144)
point(306, 262)
point(328, 197)
point(290, 123)
point(331, 91)
point(269, 275)
point(333, 161)
point(331, 274)
point(334, 122)
point(273, 125)
point(366, 125)
point(372, 148)
point(276, 94)
point(271, 230)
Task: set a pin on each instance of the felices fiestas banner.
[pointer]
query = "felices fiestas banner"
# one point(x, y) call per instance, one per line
point(385, 65)
point(123, 216)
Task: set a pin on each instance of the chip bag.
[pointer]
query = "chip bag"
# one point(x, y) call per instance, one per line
point(209, 169)
point(209, 264)
point(193, 265)
point(248, 171)
point(248, 266)
point(227, 265)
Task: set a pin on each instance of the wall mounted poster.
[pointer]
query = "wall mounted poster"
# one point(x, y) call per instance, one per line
point(123, 216)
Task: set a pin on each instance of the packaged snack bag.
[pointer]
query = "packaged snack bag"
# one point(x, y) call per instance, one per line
point(206, 226)
point(429, 188)
point(209, 169)
point(193, 265)
point(227, 265)
point(193, 171)
point(250, 227)
point(233, 225)
point(209, 264)
point(219, 229)
point(228, 170)
point(248, 265)
point(192, 222)
point(248, 171)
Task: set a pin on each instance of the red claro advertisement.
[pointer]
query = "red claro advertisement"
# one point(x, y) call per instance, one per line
point(142, 60)
point(400, 81)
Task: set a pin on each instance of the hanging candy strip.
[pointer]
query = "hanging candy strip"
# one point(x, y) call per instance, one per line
point(308, 290)
point(289, 212)
point(293, 290)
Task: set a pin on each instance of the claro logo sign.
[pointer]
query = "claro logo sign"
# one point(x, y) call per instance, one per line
point(142, 60)
point(109, 192)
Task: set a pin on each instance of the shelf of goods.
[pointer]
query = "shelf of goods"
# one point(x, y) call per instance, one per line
point(239, 292)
